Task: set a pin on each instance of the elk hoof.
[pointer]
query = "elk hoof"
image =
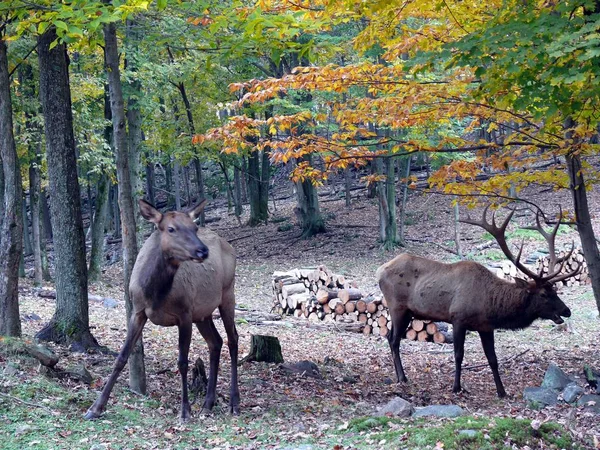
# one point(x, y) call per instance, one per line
point(91, 415)
point(205, 411)
point(234, 410)
point(501, 394)
point(185, 415)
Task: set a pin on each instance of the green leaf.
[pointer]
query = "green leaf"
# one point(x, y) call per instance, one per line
point(60, 25)
point(42, 26)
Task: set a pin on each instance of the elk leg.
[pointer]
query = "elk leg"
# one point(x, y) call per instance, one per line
point(487, 341)
point(400, 322)
point(136, 326)
point(185, 338)
point(215, 343)
point(227, 316)
point(458, 334)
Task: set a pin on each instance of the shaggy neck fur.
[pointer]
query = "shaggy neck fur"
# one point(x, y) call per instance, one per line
point(513, 308)
point(157, 279)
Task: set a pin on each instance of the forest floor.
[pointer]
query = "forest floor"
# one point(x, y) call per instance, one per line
point(290, 412)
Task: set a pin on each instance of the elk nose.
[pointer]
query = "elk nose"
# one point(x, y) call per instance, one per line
point(566, 313)
point(202, 252)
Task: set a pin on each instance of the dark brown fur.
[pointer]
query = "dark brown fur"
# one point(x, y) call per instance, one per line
point(181, 275)
point(468, 296)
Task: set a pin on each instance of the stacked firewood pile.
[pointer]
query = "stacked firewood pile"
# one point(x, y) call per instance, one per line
point(428, 331)
point(539, 259)
point(575, 260)
point(320, 295)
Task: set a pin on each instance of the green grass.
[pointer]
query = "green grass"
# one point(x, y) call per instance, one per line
point(484, 433)
point(41, 413)
point(522, 233)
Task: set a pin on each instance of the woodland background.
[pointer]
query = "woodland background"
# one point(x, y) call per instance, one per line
point(336, 133)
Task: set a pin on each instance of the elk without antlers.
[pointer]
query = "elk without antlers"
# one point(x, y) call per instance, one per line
point(181, 275)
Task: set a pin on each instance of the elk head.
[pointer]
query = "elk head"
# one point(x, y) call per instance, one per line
point(540, 290)
point(178, 233)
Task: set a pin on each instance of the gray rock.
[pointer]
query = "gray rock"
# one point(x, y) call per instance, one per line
point(11, 369)
point(439, 411)
point(31, 317)
point(397, 407)
point(572, 392)
point(538, 397)
point(590, 402)
point(80, 373)
point(468, 433)
point(43, 354)
point(555, 378)
point(303, 368)
point(23, 429)
point(110, 303)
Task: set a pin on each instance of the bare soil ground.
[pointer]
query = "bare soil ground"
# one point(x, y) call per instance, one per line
point(283, 411)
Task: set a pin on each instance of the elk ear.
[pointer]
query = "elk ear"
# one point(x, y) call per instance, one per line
point(195, 211)
point(521, 283)
point(149, 212)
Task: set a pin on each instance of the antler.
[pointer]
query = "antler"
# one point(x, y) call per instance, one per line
point(498, 232)
point(554, 260)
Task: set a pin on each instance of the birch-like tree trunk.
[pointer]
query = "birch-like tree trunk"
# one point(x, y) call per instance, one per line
point(11, 222)
point(137, 372)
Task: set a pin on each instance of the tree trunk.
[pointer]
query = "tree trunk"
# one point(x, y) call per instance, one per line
point(46, 222)
point(265, 178)
point(197, 162)
point(134, 121)
point(70, 323)
point(308, 210)
point(244, 180)
point(227, 185)
point(401, 236)
point(169, 184)
point(457, 229)
point(137, 372)
point(34, 202)
point(386, 193)
point(11, 222)
point(186, 184)
point(98, 225)
point(115, 211)
point(237, 192)
point(200, 183)
point(177, 183)
point(258, 200)
point(347, 185)
point(102, 198)
point(582, 216)
point(27, 246)
point(150, 196)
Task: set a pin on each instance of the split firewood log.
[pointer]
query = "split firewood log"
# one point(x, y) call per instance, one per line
point(345, 295)
point(325, 295)
point(411, 334)
point(417, 325)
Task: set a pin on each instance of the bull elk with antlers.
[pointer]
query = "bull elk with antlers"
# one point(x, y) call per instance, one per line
point(181, 275)
point(470, 297)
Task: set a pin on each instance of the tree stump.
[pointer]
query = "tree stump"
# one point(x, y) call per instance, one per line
point(265, 349)
point(199, 380)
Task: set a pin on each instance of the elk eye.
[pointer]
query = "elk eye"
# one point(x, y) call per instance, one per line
point(171, 230)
